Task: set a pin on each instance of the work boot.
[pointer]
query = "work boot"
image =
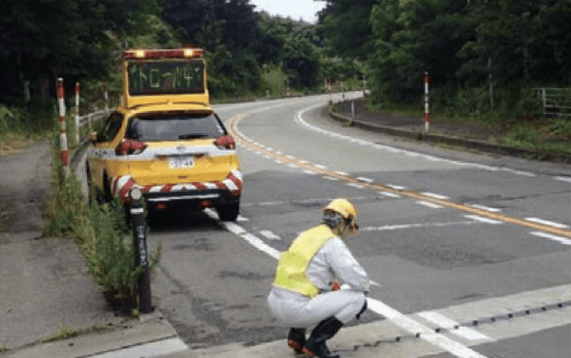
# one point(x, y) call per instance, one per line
point(296, 339)
point(326, 329)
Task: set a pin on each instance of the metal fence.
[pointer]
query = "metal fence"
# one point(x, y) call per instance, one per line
point(556, 102)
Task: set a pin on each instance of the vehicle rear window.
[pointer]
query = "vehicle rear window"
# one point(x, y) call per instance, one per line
point(148, 128)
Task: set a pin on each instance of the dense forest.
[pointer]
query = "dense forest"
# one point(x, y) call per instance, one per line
point(482, 55)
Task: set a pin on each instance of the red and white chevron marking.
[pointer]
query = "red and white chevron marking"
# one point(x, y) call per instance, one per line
point(121, 185)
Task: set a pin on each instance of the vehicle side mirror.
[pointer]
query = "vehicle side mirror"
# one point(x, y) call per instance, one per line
point(93, 137)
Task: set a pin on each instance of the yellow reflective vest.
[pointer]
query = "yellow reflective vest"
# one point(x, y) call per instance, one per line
point(293, 264)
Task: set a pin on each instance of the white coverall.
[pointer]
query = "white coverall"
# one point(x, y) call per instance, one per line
point(332, 262)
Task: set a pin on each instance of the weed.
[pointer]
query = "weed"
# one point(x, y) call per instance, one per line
point(65, 332)
point(4, 348)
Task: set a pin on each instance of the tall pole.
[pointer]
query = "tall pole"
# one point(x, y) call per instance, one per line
point(76, 112)
point(62, 134)
point(426, 78)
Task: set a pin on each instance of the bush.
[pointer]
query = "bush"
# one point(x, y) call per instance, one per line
point(99, 230)
point(110, 256)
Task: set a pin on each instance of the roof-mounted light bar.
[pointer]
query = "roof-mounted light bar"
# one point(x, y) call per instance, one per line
point(151, 54)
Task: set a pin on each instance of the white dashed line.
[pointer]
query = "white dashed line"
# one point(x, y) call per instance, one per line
point(389, 194)
point(429, 204)
point(355, 185)
point(292, 165)
point(366, 180)
point(331, 178)
point(483, 219)
point(416, 226)
point(342, 173)
point(494, 210)
point(320, 166)
point(548, 223)
point(309, 172)
point(567, 179)
point(545, 235)
point(437, 196)
point(395, 187)
point(241, 218)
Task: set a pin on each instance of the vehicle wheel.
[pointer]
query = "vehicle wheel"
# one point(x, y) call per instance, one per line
point(228, 212)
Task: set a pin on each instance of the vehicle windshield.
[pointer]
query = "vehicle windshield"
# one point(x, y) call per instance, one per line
point(166, 77)
point(174, 127)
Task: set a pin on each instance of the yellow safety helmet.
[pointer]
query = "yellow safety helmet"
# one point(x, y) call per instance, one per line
point(347, 211)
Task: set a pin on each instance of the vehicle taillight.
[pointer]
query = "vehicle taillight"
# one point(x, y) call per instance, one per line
point(225, 142)
point(130, 146)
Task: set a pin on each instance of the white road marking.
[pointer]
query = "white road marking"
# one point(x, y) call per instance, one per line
point(298, 118)
point(330, 178)
point(416, 226)
point(366, 180)
point(389, 194)
point(342, 173)
point(548, 223)
point(437, 196)
point(355, 185)
point(494, 210)
point(241, 218)
point(309, 172)
point(453, 347)
point(483, 219)
point(395, 187)
point(429, 204)
point(399, 319)
point(442, 321)
point(269, 235)
point(292, 165)
point(278, 161)
point(152, 349)
point(267, 203)
point(545, 235)
point(320, 166)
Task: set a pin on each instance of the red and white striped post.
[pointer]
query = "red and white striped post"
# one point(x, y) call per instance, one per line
point(76, 112)
point(426, 79)
point(62, 135)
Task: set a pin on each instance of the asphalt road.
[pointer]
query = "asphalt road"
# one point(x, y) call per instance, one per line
point(448, 235)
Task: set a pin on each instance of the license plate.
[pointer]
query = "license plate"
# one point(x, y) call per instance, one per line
point(181, 162)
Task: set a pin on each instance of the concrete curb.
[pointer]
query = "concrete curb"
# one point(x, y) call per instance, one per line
point(451, 140)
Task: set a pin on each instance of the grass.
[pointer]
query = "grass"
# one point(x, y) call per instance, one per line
point(4, 348)
point(544, 135)
point(67, 332)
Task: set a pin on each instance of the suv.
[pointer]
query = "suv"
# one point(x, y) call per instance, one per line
point(173, 146)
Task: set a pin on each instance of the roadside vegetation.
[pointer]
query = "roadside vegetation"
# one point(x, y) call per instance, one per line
point(100, 231)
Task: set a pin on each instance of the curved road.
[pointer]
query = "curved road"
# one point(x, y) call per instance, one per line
point(452, 237)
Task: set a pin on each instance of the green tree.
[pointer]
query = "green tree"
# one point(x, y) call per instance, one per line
point(346, 28)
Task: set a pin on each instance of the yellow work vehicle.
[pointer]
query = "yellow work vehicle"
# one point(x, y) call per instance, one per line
point(166, 139)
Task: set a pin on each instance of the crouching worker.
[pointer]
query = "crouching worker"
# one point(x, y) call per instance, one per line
point(306, 293)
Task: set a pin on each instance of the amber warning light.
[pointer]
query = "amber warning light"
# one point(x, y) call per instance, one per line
point(151, 54)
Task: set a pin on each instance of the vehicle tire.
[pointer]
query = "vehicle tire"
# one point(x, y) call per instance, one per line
point(228, 212)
